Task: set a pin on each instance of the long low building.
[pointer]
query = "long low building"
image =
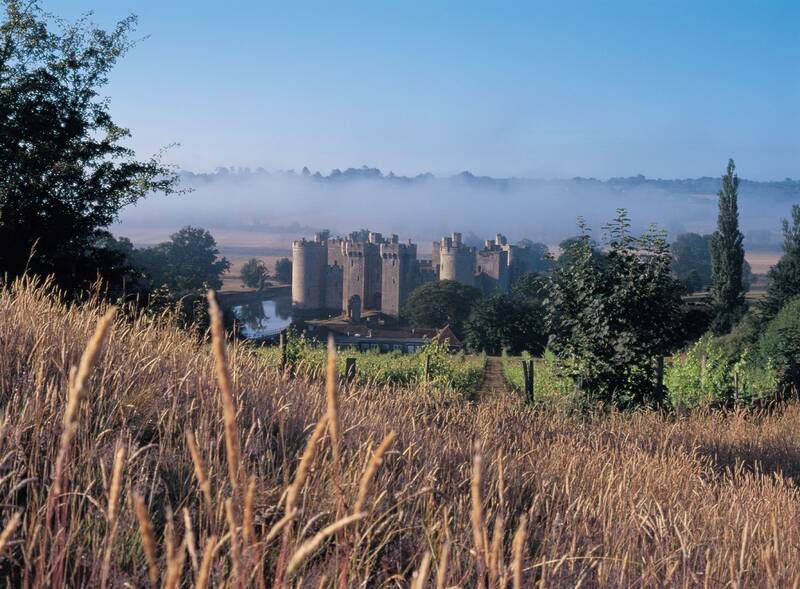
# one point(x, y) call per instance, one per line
point(364, 338)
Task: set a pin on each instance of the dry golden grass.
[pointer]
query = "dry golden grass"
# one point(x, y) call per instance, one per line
point(491, 494)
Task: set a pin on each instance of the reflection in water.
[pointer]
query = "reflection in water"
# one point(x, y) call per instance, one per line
point(261, 319)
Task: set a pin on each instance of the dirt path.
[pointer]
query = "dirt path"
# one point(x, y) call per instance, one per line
point(494, 382)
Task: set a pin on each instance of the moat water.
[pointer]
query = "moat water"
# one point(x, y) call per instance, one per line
point(264, 318)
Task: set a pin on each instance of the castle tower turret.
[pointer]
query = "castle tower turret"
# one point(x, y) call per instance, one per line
point(399, 275)
point(456, 261)
point(309, 267)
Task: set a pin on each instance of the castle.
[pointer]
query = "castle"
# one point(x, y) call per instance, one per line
point(365, 271)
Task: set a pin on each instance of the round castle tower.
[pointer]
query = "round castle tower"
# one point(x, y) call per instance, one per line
point(457, 261)
point(309, 265)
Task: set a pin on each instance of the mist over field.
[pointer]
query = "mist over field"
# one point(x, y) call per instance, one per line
point(425, 207)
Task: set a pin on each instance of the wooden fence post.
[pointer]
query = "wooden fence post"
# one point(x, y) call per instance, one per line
point(525, 376)
point(527, 373)
point(531, 379)
point(350, 369)
point(282, 350)
point(427, 368)
point(660, 391)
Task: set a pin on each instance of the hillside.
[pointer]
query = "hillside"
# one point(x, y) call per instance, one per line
point(170, 482)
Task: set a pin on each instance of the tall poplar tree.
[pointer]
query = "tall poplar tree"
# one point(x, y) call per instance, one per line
point(727, 257)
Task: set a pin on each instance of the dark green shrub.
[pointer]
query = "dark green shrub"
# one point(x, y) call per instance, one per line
point(781, 341)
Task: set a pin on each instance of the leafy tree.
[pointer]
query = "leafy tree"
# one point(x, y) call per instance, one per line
point(691, 262)
point(692, 281)
point(514, 322)
point(487, 328)
point(780, 342)
point(694, 321)
point(610, 318)
point(116, 257)
point(441, 303)
point(188, 262)
point(784, 277)
point(567, 250)
point(65, 172)
point(254, 273)
point(727, 257)
point(283, 270)
point(539, 258)
point(691, 255)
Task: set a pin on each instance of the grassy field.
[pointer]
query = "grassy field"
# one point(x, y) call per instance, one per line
point(548, 386)
point(163, 461)
point(454, 372)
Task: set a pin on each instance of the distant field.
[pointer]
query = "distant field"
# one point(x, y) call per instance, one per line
point(761, 262)
point(228, 238)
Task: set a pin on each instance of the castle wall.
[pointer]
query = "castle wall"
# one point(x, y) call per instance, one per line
point(334, 281)
point(373, 268)
point(492, 271)
point(336, 253)
point(425, 273)
point(399, 275)
point(520, 261)
point(362, 274)
point(353, 281)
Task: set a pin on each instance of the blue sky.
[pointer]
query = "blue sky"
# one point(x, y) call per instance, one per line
point(555, 89)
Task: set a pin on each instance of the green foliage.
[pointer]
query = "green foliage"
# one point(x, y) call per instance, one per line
point(550, 385)
point(780, 342)
point(714, 372)
point(571, 245)
point(691, 260)
point(694, 321)
point(512, 322)
point(609, 320)
point(65, 171)
point(784, 277)
point(188, 262)
point(456, 372)
point(539, 258)
point(487, 328)
point(742, 338)
point(692, 281)
point(188, 312)
point(530, 286)
point(441, 303)
point(254, 273)
point(283, 270)
point(446, 370)
point(727, 257)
